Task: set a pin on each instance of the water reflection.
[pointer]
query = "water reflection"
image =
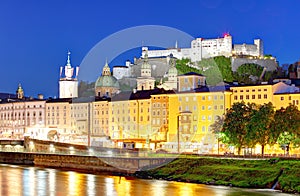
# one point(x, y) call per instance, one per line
point(22, 180)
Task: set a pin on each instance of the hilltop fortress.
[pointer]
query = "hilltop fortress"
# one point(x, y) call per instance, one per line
point(200, 49)
point(207, 48)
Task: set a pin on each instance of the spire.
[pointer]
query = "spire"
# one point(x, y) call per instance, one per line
point(106, 69)
point(106, 63)
point(146, 56)
point(176, 44)
point(68, 61)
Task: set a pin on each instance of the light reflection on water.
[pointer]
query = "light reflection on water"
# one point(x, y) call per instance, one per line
point(23, 180)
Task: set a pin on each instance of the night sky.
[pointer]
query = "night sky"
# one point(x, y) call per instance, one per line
point(36, 35)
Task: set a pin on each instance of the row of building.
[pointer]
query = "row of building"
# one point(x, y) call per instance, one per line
point(174, 120)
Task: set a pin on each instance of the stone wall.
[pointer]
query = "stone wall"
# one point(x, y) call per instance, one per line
point(270, 64)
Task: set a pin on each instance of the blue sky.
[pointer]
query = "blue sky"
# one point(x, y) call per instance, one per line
point(36, 35)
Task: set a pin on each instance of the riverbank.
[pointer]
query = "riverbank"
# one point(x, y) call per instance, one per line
point(274, 173)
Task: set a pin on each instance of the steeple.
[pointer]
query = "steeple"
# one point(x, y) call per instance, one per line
point(106, 70)
point(68, 61)
point(176, 44)
point(146, 67)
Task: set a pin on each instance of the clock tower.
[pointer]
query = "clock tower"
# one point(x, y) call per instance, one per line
point(68, 83)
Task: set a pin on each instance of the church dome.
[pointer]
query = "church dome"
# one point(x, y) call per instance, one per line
point(107, 81)
point(173, 70)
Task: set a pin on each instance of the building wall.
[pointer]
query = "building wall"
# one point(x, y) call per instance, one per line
point(58, 118)
point(20, 117)
point(68, 88)
point(252, 94)
point(189, 82)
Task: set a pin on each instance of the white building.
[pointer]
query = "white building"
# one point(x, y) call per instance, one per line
point(206, 48)
point(68, 83)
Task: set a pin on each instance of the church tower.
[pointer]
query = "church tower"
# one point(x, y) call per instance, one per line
point(172, 75)
point(145, 82)
point(20, 92)
point(68, 83)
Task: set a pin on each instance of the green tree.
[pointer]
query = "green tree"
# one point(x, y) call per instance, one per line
point(216, 128)
point(86, 89)
point(234, 131)
point(224, 65)
point(259, 126)
point(248, 73)
point(287, 126)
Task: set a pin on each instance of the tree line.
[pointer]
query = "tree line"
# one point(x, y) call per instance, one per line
point(245, 125)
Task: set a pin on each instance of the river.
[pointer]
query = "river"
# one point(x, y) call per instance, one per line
point(26, 180)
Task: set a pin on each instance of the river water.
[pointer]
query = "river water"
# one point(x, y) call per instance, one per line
point(26, 180)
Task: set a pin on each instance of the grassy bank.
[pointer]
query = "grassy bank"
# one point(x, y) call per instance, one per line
point(231, 172)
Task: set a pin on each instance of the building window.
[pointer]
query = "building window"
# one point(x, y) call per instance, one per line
point(253, 96)
point(247, 96)
point(221, 107)
point(281, 98)
point(241, 97)
point(203, 128)
point(259, 96)
point(265, 96)
point(203, 97)
point(203, 107)
point(235, 97)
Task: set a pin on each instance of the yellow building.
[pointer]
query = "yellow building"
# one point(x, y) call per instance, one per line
point(130, 118)
point(192, 113)
point(58, 119)
point(279, 94)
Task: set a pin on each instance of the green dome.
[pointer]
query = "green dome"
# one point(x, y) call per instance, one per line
point(146, 65)
point(173, 70)
point(107, 81)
